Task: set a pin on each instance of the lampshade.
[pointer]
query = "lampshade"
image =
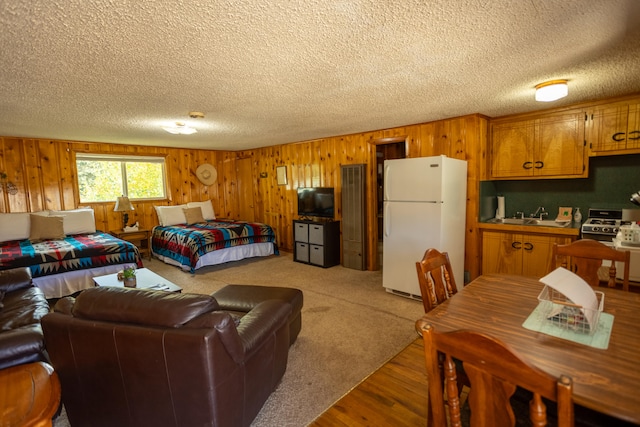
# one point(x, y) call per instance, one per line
point(123, 204)
point(551, 90)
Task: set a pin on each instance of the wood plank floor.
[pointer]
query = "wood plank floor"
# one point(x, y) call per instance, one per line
point(394, 395)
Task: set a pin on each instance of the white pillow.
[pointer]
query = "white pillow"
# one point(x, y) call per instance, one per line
point(171, 215)
point(14, 226)
point(207, 209)
point(77, 221)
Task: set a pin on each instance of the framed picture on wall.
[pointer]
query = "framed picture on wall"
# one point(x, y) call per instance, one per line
point(281, 175)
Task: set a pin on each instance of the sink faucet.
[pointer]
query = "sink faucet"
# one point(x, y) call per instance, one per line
point(539, 212)
point(520, 214)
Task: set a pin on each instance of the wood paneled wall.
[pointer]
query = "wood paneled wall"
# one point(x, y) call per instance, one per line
point(45, 174)
point(317, 163)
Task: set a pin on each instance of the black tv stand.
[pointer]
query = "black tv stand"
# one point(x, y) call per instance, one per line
point(316, 242)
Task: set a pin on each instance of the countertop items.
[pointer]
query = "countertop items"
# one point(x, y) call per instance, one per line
point(564, 214)
point(532, 226)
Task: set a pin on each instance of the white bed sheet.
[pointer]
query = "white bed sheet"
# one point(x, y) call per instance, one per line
point(221, 256)
point(64, 284)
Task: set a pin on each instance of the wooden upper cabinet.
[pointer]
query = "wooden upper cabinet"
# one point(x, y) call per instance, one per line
point(615, 128)
point(512, 149)
point(550, 146)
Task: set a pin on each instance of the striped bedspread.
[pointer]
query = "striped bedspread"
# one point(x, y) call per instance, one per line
point(187, 243)
point(77, 252)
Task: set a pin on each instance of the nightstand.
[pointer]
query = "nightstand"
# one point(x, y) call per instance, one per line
point(140, 238)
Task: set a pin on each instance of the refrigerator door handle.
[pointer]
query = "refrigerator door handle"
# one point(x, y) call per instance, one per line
point(386, 183)
point(386, 218)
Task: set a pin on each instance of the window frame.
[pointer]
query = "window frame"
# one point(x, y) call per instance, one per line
point(123, 159)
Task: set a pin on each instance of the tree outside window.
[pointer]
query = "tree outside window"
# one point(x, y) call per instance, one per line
point(104, 178)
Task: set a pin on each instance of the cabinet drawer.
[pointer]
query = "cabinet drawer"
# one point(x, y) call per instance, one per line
point(316, 234)
point(301, 232)
point(316, 254)
point(302, 252)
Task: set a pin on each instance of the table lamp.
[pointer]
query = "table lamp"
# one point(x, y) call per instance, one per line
point(123, 204)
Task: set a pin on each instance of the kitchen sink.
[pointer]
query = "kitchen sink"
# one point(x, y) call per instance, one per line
point(512, 221)
point(530, 221)
point(548, 223)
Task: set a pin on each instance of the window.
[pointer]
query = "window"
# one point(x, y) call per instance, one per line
point(103, 178)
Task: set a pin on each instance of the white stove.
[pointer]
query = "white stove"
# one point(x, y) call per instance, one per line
point(603, 224)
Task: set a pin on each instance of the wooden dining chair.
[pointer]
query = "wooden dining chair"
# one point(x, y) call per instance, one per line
point(584, 257)
point(495, 372)
point(435, 277)
point(437, 284)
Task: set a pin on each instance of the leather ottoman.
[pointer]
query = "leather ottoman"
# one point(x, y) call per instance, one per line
point(242, 298)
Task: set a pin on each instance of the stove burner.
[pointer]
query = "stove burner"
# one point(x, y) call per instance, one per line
point(602, 224)
point(602, 221)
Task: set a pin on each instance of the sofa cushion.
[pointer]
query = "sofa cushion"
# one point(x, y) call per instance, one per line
point(22, 307)
point(141, 306)
point(22, 345)
point(21, 337)
point(15, 278)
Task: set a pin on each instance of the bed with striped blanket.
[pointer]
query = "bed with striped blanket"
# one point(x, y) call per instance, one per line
point(62, 267)
point(212, 242)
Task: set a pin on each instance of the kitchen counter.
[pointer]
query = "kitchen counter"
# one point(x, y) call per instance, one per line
point(572, 229)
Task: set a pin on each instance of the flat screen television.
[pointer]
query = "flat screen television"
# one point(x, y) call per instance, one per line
point(316, 201)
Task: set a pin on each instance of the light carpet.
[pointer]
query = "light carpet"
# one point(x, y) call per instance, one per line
point(350, 327)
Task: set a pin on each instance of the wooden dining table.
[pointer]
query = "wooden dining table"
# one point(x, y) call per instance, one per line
point(606, 381)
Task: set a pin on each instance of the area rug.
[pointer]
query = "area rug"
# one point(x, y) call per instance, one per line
point(350, 327)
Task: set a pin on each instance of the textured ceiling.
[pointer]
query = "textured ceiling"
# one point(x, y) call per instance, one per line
point(273, 72)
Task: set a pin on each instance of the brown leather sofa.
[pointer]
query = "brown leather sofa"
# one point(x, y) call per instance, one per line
point(22, 305)
point(131, 357)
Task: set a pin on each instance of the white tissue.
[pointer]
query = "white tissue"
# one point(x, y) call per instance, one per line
point(500, 210)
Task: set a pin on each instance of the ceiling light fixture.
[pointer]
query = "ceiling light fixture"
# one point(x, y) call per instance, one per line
point(180, 128)
point(551, 90)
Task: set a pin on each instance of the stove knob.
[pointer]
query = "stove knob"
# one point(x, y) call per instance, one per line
point(596, 229)
point(605, 229)
point(615, 230)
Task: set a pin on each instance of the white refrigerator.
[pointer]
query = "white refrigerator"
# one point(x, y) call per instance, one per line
point(424, 207)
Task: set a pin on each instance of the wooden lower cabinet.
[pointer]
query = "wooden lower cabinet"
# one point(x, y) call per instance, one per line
point(519, 253)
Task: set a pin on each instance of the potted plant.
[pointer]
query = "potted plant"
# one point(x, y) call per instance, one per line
point(129, 277)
